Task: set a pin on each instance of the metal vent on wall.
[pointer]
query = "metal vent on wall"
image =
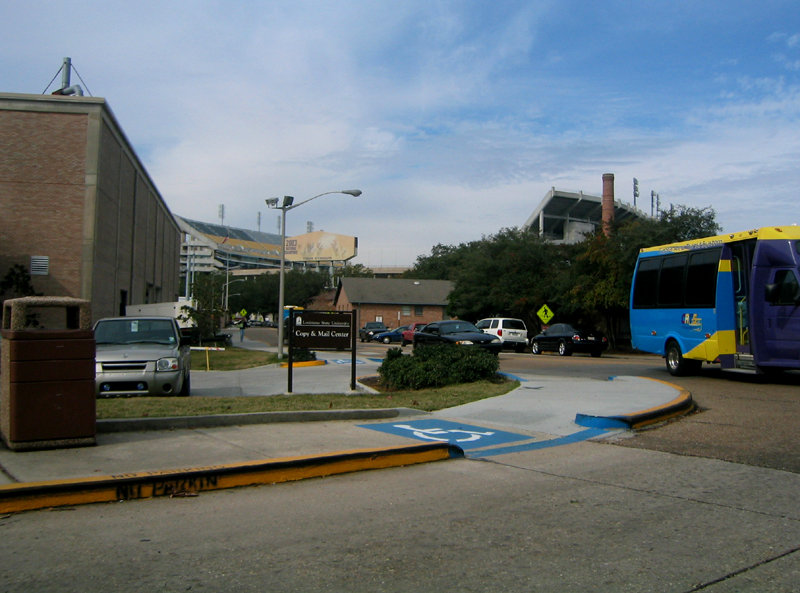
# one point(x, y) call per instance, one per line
point(40, 265)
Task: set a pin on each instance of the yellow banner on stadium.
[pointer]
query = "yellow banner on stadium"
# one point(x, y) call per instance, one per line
point(321, 246)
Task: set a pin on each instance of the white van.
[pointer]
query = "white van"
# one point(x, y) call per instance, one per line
point(512, 332)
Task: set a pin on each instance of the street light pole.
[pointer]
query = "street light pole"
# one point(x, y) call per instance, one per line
point(288, 204)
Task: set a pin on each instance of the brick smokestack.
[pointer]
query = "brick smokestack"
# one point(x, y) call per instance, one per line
point(608, 203)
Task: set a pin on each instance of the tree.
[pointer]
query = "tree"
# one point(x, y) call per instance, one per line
point(443, 261)
point(302, 286)
point(260, 294)
point(683, 223)
point(17, 283)
point(352, 271)
point(511, 273)
point(208, 291)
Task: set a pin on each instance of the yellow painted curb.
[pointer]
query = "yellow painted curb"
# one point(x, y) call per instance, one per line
point(683, 404)
point(305, 363)
point(189, 482)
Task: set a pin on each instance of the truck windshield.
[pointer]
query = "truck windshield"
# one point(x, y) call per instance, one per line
point(135, 331)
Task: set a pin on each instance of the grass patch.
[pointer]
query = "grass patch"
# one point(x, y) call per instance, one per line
point(423, 399)
point(231, 359)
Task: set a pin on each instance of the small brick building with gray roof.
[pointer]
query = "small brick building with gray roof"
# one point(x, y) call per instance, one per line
point(394, 301)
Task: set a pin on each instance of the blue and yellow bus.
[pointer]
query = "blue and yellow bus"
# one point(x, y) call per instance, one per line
point(732, 299)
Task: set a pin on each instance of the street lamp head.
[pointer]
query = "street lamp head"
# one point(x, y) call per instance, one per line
point(352, 192)
point(273, 202)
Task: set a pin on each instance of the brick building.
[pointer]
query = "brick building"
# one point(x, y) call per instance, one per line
point(77, 207)
point(394, 301)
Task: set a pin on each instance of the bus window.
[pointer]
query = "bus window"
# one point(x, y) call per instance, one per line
point(670, 286)
point(701, 279)
point(645, 290)
point(786, 289)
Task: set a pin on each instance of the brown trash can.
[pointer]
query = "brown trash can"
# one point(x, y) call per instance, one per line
point(47, 397)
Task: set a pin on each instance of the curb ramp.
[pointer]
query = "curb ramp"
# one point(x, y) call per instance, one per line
point(680, 406)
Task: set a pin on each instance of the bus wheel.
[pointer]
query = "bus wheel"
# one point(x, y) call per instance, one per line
point(677, 365)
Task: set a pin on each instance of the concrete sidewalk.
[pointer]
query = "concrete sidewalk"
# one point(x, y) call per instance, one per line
point(183, 456)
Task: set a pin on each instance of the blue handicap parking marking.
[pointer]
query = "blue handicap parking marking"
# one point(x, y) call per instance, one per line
point(464, 435)
point(346, 361)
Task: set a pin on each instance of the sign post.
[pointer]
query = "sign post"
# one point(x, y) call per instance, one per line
point(323, 330)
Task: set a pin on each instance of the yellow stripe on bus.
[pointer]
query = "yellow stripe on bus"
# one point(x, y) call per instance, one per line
point(722, 342)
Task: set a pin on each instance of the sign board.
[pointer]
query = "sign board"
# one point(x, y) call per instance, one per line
point(322, 330)
point(321, 246)
point(545, 314)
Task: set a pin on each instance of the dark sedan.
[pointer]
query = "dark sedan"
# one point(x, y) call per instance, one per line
point(566, 339)
point(394, 335)
point(462, 333)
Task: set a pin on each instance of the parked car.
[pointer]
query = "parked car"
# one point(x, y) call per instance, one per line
point(455, 331)
point(141, 356)
point(393, 335)
point(566, 339)
point(408, 334)
point(371, 328)
point(512, 332)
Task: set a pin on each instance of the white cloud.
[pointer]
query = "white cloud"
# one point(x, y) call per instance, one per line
point(454, 118)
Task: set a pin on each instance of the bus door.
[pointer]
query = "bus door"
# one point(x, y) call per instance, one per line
point(776, 302)
point(741, 262)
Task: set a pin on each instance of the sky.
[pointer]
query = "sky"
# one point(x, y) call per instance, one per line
point(454, 118)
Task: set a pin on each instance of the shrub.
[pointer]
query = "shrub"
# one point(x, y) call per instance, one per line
point(303, 355)
point(436, 366)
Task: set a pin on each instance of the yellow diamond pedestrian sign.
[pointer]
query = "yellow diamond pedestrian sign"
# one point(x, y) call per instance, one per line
point(545, 314)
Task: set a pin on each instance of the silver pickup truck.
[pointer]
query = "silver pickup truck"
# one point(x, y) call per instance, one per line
point(141, 356)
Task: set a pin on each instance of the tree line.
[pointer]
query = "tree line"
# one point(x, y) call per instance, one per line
point(515, 272)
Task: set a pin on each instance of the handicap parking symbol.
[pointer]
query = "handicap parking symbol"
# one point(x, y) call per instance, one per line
point(445, 431)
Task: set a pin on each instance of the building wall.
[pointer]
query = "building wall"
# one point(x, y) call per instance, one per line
point(42, 169)
point(72, 188)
